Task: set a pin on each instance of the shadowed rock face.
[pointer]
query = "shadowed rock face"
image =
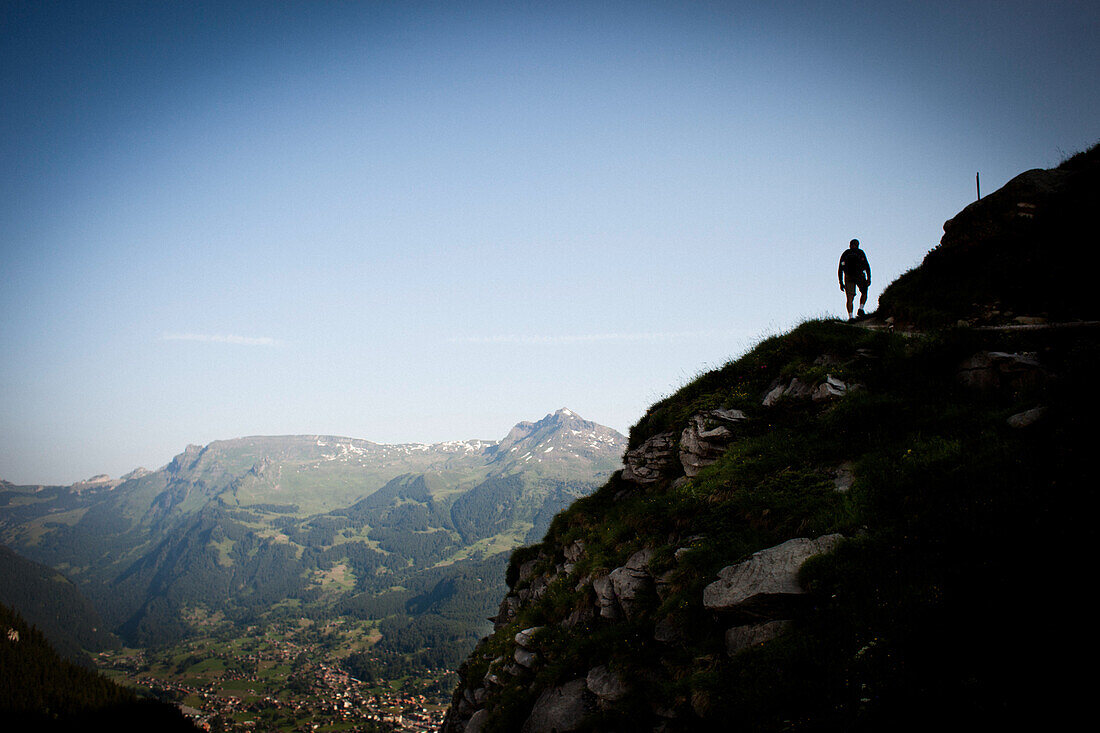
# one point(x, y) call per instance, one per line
point(706, 437)
point(827, 389)
point(606, 685)
point(765, 585)
point(740, 638)
point(561, 709)
point(631, 581)
point(997, 371)
point(651, 461)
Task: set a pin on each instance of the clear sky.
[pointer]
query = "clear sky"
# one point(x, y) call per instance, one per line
point(415, 222)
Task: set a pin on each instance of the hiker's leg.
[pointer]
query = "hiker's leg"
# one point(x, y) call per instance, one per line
point(850, 292)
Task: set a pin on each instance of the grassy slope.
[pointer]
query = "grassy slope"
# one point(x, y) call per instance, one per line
point(963, 534)
point(951, 509)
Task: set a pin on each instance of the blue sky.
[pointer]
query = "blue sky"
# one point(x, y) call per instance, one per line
point(418, 221)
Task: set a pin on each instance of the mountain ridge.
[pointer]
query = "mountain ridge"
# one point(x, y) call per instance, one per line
point(828, 533)
point(194, 451)
point(240, 526)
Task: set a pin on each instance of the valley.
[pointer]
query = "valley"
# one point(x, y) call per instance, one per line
point(290, 676)
point(270, 580)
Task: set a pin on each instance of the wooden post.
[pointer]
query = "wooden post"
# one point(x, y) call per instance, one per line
point(978, 185)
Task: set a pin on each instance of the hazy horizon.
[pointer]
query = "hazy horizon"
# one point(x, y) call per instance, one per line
point(427, 222)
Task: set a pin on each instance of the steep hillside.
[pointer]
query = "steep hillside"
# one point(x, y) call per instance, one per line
point(40, 691)
point(51, 602)
point(845, 529)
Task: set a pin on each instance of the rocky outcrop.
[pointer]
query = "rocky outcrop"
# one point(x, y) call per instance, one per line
point(561, 709)
point(1009, 211)
point(620, 592)
point(766, 585)
point(762, 594)
point(606, 685)
point(651, 461)
point(631, 582)
point(525, 654)
point(795, 389)
point(999, 371)
point(743, 637)
point(827, 389)
point(830, 388)
point(1027, 418)
point(477, 721)
point(706, 437)
point(508, 608)
point(606, 602)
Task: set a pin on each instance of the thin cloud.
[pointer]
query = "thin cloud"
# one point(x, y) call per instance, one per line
point(217, 338)
point(585, 338)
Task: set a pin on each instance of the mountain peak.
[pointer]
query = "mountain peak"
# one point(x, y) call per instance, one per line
point(564, 432)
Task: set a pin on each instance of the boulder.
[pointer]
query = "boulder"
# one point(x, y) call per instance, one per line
point(831, 388)
point(508, 609)
point(526, 638)
point(1027, 418)
point(606, 600)
point(513, 669)
point(491, 677)
point(1000, 214)
point(607, 686)
point(631, 581)
point(525, 658)
point(797, 389)
point(706, 437)
point(561, 709)
point(477, 721)
point(766, 585)
point(742, 637)
point(537, 589)
point(651, 461)
point(999, 371)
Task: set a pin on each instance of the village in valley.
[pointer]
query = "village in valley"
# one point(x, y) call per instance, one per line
point(288, 677)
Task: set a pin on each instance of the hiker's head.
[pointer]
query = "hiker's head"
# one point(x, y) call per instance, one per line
point(854, 244)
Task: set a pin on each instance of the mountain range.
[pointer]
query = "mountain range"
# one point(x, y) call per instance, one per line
point(258, 528)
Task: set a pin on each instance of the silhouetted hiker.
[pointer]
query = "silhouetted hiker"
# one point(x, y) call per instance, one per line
point(854, 272)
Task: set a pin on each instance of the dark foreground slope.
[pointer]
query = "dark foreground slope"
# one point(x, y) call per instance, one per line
point(1029, 249)
point(935, 481)
point(41, 691)
point(50, 601)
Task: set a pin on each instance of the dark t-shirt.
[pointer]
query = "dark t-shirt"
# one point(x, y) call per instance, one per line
point(853, 263)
